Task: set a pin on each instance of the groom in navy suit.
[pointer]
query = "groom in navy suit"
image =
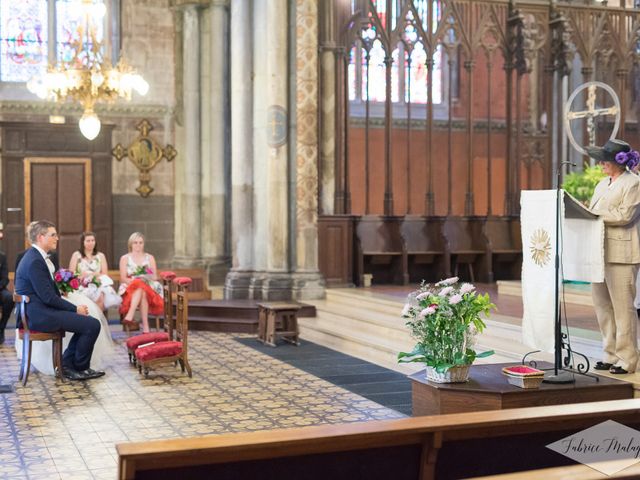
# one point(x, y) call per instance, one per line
point(48, 311)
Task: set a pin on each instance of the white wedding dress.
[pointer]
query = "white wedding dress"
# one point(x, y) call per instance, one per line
point(41, 353)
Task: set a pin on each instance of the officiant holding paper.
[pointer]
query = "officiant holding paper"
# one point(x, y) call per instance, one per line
point(617, 200)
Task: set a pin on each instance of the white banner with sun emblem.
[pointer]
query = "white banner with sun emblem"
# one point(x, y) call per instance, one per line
point(582, 259)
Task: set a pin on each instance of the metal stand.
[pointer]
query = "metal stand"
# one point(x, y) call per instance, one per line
point(563, 371)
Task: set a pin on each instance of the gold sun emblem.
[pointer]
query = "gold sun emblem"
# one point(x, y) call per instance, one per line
point(540, 247)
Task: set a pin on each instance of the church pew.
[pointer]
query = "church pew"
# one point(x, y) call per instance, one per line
point(380, 250)
point(424, 243)
point(467, 245)
point(504, 242)
point(424, 448)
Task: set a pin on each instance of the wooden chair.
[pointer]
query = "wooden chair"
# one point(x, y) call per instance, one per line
point(170, 351)
point(424, 243)
point(380, 250)
point(505, 246)
point(467, 245)
point(27, 336)
point(133, 343)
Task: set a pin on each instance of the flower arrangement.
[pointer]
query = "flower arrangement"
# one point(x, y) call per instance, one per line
point(66, 281)
point(444, 318)
point(141, 271)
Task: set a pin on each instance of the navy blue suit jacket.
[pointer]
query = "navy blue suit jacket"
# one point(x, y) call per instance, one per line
point(46, 307)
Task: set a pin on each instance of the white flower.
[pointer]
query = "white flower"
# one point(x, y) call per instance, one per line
point(427, 311)
point(466, 288)
point(447, 281)
point(445, 291)
point(422, 296)
point(457, 298)
point(406, 309)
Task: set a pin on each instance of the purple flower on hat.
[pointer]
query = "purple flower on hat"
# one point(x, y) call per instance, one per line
point(630, 159)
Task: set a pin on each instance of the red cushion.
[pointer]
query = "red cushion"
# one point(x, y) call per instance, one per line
point(151, 337)
point(167, 275)
point(158, 350)
point(184, 281)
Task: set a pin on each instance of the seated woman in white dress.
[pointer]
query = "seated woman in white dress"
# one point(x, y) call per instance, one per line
point(138, 283)
point(91, 267)
point(41, 352)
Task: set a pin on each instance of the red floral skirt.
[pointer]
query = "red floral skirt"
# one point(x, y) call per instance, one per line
point(156, 304)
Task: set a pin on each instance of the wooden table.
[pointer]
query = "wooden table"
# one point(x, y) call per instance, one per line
point(488, 389)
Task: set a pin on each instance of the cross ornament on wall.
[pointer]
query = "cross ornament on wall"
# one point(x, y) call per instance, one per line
point(145, 153)
point(591, 113)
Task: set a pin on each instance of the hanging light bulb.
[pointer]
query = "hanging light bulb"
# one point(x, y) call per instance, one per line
point(89, 124)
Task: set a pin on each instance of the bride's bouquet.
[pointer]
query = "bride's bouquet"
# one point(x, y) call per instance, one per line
point(66, 281)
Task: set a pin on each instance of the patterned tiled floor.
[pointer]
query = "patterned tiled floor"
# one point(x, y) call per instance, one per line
point(69, 431)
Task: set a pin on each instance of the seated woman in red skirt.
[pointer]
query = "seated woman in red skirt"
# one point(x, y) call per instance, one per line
point(138, 285)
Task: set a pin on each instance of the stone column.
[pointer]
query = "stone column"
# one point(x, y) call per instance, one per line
point(238, 280)
point(307, 281)
point(327, 109)
point(271, 143)
point(188, 226)
point(215, 168)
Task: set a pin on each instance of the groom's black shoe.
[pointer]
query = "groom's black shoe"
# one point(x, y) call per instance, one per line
point(72, 374)
point(91, 373)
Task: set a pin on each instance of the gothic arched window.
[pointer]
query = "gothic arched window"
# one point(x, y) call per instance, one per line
point(34, 33)
point(367, 75)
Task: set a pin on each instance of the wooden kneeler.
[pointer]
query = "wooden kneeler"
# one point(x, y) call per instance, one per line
point(170, 351)
point(153, 337)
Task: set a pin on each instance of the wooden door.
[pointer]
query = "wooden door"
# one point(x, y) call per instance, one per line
point(59, 190)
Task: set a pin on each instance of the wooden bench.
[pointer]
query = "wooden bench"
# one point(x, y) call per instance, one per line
point(504, 242)
point(442, 446)
point(467, 245)
point(380, 250)
point(424, 243)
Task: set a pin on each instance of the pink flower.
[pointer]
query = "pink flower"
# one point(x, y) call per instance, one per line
point(422, 295)
point(73, 283)
point(457, 298)
point(445, 291)
point(466, 288)
point(57, 277)
point(427, 311)
point(148, 271)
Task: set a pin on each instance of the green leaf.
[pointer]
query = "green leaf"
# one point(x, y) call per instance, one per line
point(485, 354)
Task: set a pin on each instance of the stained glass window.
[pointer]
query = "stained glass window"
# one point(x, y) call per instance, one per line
point(414, 74)
point(70, 21)
point(24, 34)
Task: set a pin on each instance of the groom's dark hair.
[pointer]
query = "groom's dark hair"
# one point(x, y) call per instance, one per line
point(39, 227)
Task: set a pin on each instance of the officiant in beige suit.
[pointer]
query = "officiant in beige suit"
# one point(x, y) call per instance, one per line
point(617, 200)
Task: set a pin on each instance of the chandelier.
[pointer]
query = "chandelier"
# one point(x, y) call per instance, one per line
point(88, 78)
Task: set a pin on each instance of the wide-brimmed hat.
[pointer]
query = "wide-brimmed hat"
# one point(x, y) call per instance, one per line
point(609, 151)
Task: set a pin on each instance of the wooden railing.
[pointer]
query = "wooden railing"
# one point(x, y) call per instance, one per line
point(444, 446)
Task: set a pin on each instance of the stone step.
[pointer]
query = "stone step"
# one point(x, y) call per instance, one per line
point(354, 298)
point(578, 294)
